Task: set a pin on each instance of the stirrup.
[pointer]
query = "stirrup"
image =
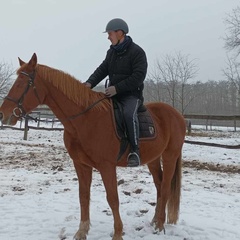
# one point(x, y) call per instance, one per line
point(133, 160)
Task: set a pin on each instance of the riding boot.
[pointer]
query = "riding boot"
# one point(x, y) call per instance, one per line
point(133, 135)
point(134, 156)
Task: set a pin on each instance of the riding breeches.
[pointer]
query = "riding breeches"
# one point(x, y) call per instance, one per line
point(130, 105)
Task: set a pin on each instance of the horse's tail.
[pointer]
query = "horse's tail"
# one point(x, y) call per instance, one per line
point(175, 194)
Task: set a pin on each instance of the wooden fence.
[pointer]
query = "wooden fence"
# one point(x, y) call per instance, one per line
point(39, 117)
point(212, 120)
point(207, 120)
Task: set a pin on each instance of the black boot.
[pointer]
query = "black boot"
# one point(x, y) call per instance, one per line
point(133, 159)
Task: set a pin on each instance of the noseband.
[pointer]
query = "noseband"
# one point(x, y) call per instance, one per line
point(19, 101)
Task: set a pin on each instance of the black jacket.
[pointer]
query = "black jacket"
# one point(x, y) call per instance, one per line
point(126, 69)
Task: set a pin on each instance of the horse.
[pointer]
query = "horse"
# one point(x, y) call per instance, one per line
point(91, 140)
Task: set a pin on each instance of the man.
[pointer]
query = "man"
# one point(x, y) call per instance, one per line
point(126, 66)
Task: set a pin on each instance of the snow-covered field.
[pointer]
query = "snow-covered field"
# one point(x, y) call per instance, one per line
point(39, 192)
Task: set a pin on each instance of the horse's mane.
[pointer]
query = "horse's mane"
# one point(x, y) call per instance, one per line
point(71, 87)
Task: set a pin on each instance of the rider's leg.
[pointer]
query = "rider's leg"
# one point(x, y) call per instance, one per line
point(130, 106)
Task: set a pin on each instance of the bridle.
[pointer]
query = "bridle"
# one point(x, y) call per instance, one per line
point(23, 113)
point(19, 102)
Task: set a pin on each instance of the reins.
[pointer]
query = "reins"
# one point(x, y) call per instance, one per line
point(87, 109)
point(71, 117)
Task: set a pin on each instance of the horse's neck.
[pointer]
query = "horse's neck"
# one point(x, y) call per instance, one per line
point(67, 96)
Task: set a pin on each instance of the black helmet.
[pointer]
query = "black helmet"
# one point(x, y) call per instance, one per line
point(117, 24)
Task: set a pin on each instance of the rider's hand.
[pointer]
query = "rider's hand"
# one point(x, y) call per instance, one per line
point(110, 91)
point(87, 84)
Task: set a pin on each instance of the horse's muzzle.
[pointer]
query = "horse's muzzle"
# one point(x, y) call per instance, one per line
point(8, 120)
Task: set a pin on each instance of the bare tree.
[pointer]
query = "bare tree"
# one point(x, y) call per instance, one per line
point(6, 73)
point(232, 42)
point(175, 71)
point(232, 73)
point(232, 38)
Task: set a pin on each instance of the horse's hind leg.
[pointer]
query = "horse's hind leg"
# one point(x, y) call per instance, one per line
point(168, 185)
point(171, 185)
point(156, 171)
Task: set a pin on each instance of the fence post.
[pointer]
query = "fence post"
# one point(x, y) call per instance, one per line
point(25, 128)
point(189, 126)
point(235, 125)
point(53, 119)
point(39, 117)
point(20, 123)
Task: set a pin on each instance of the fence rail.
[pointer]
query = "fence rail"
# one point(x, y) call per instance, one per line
point(229, 121)
point(213, 144)
point(45, 115)
point(212, 117)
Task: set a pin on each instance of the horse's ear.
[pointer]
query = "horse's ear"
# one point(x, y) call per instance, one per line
point(21, 62)
point(33, 61)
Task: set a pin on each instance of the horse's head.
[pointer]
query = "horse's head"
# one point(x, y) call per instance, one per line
point(23, 96)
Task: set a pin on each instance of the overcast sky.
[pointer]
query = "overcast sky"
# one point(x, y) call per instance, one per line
point(68, 34)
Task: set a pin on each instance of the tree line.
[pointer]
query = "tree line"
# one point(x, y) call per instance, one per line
point(209, 98)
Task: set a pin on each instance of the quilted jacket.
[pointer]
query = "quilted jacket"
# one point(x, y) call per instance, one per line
point(126, 70)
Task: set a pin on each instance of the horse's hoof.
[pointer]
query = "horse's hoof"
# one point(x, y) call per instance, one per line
point(117, 238)
point(79, 236)
point(158, 228)
point(158, 231)
point(82, 238)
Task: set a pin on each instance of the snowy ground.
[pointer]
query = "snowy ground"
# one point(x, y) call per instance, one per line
point(39, 192)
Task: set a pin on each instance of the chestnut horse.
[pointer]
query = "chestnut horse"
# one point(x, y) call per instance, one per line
point(91, 140)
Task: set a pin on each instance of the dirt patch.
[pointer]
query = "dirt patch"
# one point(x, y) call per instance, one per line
point(211, 167)
point(212, 134)
point(41, 156)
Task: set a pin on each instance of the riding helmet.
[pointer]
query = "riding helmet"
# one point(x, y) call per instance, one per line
point(117, 24)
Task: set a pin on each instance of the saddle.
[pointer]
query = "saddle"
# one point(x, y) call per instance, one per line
point(146, 126)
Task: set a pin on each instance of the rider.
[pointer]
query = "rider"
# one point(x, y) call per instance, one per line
point(126, 66)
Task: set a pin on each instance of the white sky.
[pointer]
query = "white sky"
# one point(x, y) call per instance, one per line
point(67, 34)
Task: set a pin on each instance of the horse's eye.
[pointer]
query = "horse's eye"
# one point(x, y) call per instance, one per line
point(21, 77)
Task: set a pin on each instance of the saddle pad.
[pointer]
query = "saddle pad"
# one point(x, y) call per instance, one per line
point(146, 124)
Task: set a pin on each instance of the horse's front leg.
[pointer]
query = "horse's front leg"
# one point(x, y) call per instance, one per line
point(108, 173)
point(84, 174)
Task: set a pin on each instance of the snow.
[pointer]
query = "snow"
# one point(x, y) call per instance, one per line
point(39, 192)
